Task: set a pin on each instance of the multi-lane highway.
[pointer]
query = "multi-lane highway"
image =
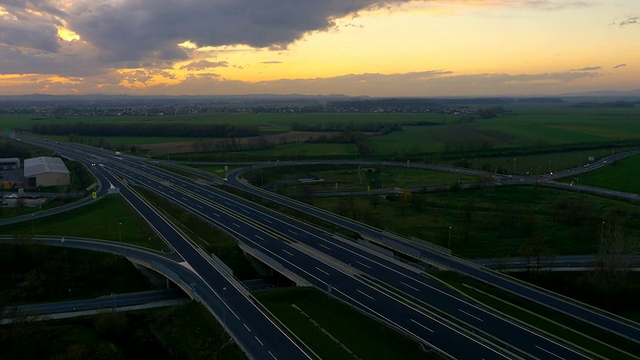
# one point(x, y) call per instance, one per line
point(442, 300)
point(249, 223)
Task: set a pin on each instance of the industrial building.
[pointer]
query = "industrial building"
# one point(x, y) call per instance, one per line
point(46, 171)
point(9, 163)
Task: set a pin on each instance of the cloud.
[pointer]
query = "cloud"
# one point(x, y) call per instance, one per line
point(619, 66)
point(424, 83)
point(271, 62)
point(589, 68)
point(203, 65)
point(142, 33)
point(132, 30)
point(630, 20)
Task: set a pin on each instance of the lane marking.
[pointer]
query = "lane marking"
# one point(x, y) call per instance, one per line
point(245, 325)
point(273, 356)
point(236, 225)
point(216, 215)
point(259, 237)
point(466, 313)
point(259, 340)
point(409, 286)
point(293, 232)
point(417, 323)
point(287, 252)
point(549, 352)
point(367, 295)
point(326, 247)
point(317, 268)
point(267, 220)
point(365, 265)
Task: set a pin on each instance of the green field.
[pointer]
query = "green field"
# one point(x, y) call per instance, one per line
point(110, 218)
point(334, 330)
point(527, 130)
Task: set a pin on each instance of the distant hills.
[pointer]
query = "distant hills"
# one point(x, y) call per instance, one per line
point(297, 99)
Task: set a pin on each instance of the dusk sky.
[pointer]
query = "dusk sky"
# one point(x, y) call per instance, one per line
point(351, 47)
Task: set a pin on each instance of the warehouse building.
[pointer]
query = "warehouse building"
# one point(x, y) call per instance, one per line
point(9, 163)
point(46, 171)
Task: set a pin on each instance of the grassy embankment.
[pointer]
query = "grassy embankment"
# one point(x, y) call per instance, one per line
point(110, 218)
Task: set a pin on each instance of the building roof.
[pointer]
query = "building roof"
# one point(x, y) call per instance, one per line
point(44, 164)
point(9, 160)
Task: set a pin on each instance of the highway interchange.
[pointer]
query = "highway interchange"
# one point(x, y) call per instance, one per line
point(344, 268)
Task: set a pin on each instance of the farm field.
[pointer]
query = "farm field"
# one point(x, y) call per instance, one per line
point(526, 130)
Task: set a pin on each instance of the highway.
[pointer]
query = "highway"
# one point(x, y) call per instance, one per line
point(415, 322)
point(375, 266)
point(414, 284)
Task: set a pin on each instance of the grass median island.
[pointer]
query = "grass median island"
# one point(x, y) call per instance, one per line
point(109, 218)
point(334, 330)
point(204, 234)
point(591, 338)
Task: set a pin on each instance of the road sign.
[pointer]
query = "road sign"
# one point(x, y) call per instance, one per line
point(94, 195)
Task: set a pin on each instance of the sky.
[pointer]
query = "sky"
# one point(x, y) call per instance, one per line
point(417, 48)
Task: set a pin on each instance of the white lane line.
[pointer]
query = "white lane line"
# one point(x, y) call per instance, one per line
point(216, 215)
point(417, 323)
point(259, 237)
point(267, 221)
point(200, 206)
point(245, 325)
point(236, 225)
point(259, 340)
point(365, 265)
point(367, 295)
point(549, 352)
point(273, 356)
point(409, 286)
point(326, 247)
point(466, 313)
point(293, 232)
point(287, 252)
point(317, 268)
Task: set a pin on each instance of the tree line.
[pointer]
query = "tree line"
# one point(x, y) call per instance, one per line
point(164, 130)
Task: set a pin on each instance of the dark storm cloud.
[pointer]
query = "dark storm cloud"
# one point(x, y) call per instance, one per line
point(203, 65)
point(589, 68)
point(43, 6)
point(132, 30)
point(35, 36)
point(619, 66)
